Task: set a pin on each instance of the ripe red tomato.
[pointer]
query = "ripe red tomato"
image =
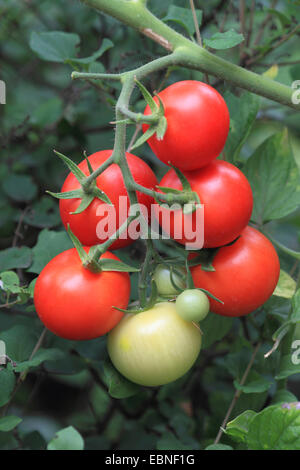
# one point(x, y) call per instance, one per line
point(246, 274)
point(77, 304)
point(85, 224)
point(197, 125)
point(226, 195)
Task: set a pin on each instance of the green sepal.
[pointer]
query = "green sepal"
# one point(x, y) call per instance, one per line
point(115, 265)
point(80, 250)
point(209, 294)
point(101, 195)
point(141, 140)
point(75, 194)
point(79, 175)
point(147, 96)
point(85, 202)
point(90, 168)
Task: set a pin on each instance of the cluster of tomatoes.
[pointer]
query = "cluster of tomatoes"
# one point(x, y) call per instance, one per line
point(160, 344)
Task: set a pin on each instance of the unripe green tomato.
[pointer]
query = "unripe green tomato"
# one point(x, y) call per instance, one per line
point(154, 347)
point(162, 278)
point(192, 305)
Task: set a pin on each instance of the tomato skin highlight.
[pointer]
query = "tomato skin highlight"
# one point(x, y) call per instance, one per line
point(154, 347)
point(84, 225)
point(246, 274)
point(227, 198)
point(197, 125)
point(75, 303)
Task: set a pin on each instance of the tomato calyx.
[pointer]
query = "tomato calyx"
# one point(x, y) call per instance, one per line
point(92, 261)
point(158, 126)
point(188, 199)
point(87, 192)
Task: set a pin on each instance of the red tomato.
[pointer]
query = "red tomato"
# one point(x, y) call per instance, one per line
point(226, 195)
point(86, 224)
point(246, 274)
point(197, 125)
point(75, 303)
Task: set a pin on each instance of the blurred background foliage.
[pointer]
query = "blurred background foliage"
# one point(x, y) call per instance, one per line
point(46, 110)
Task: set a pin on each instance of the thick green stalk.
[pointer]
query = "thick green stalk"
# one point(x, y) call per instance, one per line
point(135, 14)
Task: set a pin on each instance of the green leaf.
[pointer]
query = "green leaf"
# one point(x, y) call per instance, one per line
point(47, 113)
point(238, 428)
point(243, 110)
point(8, 423)
point(275, 428)
point(40, 356)
point(66, 439)
point(118, 386)
point(271, 168)
point(43, 213)
point(20, 188)
point(19, 342)
point(15, 258)
point(286, 286)
point(105, 46)
point(183, 17)
point(214, 328)
point(7, 385)
point(50, 243)
point(54, 46)
point(219, 447)
point(289, 363)
point(224, 40)
point(10, 282)
point(255, 384)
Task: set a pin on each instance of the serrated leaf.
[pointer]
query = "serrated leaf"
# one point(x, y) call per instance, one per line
point(118, 386)
point(54, 46)
point(275, 428)
point(225, 40)
point(10, 282)
point(286, 286)
point(66, 439)
point(271, 168)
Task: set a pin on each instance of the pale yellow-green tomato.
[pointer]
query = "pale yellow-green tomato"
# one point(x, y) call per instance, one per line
point(154, 347)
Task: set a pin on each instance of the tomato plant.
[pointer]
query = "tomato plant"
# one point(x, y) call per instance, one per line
point(226, 196)
point(197, 125)
point(244, 277)
point(192, 305)
point(100, 220)
point(154, 347)
point(77, 304)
